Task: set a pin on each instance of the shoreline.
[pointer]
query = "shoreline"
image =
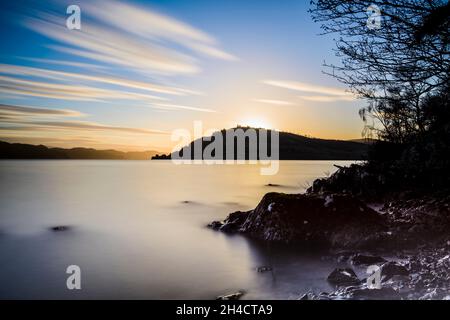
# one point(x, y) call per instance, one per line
point(404, 234)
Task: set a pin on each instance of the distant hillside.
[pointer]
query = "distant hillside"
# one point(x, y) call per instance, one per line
point(296, 147)
point(28, 151)
point(366, 141)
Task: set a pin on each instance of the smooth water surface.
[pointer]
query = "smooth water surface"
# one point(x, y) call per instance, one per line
point(138, 230)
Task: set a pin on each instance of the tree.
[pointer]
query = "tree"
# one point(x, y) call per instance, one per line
point(395, 55)
point(395, 65)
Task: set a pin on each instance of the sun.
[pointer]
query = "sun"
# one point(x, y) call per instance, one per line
point(256, 123)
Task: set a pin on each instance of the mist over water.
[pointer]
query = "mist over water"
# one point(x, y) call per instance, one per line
point(138, 230)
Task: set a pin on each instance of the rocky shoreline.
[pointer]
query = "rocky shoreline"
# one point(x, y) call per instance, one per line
point(413, 231)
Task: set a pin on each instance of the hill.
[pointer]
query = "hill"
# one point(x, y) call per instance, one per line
point(297, 147)
point(28, 151)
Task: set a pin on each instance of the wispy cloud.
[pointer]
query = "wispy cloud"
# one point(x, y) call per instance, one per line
point(65, 63)
point(274, 102)
point(32, 119)
point(132, 37)
point(91, 126)
point(149, 24)
point(33, 111)
point(328, 98)
point(67, 92)
point(165, 106)
point(80, 126)
point(65, 76)
point(325, 93)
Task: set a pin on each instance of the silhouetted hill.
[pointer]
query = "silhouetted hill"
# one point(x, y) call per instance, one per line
point(297, 147)
point(28, 151)
point(366, 141)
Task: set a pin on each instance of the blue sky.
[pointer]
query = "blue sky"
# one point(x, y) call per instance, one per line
point(137, 70)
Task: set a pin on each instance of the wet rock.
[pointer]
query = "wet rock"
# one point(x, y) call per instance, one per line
point(233, 296)
point(431, 295)
point(385, 293)
point(360, 259)
point(305, 297)
point(343, 277)
point(345, 256)
point(301, 218)
point(234, 222)
point(273, 185)
point(392, 269)
point(215, 225)
point(263, 269)
point(231, 224)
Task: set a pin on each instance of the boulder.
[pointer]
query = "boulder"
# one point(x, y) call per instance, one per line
point(343, 277)
point(231, 224)
point(338, 221)
point(391, 269)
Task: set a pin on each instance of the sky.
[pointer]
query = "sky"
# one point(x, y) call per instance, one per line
point(138, 70)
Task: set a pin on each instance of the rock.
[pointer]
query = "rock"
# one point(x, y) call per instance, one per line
point(385, 293)
point(60, 228)
point(343, 277)
point(304, 297)
point(360, 259)
point(215, 225)
point(429, 295)
point(232, 223)
point(391, 269)
point(273, 185)
point(346, 222)
point(233, 296)
point(344, 256)
point(263, 269)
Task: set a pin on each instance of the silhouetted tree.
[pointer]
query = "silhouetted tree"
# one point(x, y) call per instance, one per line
point(395, 55)
point(394, 66)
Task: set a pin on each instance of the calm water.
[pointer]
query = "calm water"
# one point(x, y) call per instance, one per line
point(138, 231)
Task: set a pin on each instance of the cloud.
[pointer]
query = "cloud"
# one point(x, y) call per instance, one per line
point(33, 125)
point(164, 106)
point(62, 75)
point(91, 126)
point(149, 24)
point(65, 63)
point(274, 102)
point(27, 118)
point(328, 98)
point(32, 111)
point(60, 91)
point(132, 37)
point(326, 94)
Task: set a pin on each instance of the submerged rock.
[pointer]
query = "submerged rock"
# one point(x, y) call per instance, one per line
point(343, 277)
point(60, 228)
